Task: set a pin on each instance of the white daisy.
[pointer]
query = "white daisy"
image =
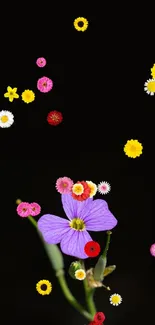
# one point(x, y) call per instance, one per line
point(104, 187)
point(150, 86)
point(115, 299)
point(6, 119)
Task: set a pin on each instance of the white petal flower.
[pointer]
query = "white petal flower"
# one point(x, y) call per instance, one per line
point(150, 87)
point(115, 299)
point(6, 119)
point(104, 188)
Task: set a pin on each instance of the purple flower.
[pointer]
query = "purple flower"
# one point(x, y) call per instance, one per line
point(72, 234)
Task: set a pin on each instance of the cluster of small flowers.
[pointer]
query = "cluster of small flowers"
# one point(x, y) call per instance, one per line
point(81, 190)
point(25, 209)
point(149, 85)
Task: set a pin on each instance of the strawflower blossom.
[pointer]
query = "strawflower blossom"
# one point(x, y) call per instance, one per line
point(93, 188)
point(44, 84)
point(34, 209)
point(23, 209)
point(104, 188)
point(81, 191)
point(92, 249)
point(72, 234)
point(99, 318)
point(64, 185)
point(54, 118)
point(152, 249)
point(41, 62)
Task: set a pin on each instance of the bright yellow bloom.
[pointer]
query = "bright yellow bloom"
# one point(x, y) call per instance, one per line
point(93, 188)
point(11, 94)
point(153, 71)
point(133, 148)
point(80, 24)
point(80, 274)
point(28, 96)
point(46, 284)
point(77, 189)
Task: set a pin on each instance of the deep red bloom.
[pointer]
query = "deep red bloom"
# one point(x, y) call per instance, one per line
point(92, 248)
point(54, 118)
point(86, 193)
point(93, 323)
point(99, 318)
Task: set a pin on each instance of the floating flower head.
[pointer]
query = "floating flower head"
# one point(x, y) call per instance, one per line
point(153, 71)
point(41, 62)
point(11, 94)
point(81, 24)
point(80, 274)
point(115, 299)
point(44, 84)
point(64, 185)
point(44, 287)
point(150, 87)
point(6, 119)
point(99, 318)
point(133, 148)
point(152, 249)
point(28, 96)
point(92, 249)
point(34, 209)
point(104, 188)
point(93, 188)
point(81, 191)
point(73, 234)
point(23, 209)
point(54, 118)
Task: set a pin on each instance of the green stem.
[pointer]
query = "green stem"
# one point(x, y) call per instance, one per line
point(71, 299)
point(107, 244)
point(64, 287)
point(89, 294)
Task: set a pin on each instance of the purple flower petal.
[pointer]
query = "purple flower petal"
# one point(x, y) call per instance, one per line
point(73, 243)
point(99, 217)
point(53, 228)
point(74, 208)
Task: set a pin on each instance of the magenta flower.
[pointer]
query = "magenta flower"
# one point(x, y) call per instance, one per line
point(44, 84)
point(64, 185)
point(41, 62)
point(34, 209)
point(23, 209)
point(72, 234)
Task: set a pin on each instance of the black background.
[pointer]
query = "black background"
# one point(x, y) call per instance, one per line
point(98, 87)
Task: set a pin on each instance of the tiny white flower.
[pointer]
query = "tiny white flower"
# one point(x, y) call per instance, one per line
point(115, 299)
point(150, 87)
point(104, 188)
point(6, 119)
point(80, 274)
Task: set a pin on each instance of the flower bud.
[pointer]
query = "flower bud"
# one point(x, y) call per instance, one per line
point(73, 268)
point(99, 268)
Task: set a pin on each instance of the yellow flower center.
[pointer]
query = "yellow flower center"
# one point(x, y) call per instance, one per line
point(45, 84)
point(65, 184)
point(151, 86)
point(77, 224)
point(133, 148)
point(115, 299)
point(80, 274)
point(55, 117)
point(11, 93)
point(4, 118)
point(77, 189)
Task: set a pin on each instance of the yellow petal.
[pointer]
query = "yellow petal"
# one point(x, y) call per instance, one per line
point(16, 96)
point(6, 95)
point(10, 99)
point(14, 90)
point(9, 89)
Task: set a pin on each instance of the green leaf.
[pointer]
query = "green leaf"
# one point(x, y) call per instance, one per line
point(55, 256)
point(109, 269)
point(99, 268)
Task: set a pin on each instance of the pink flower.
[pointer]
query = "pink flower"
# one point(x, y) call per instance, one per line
point(34, 209)
point(23, 209)
point(44, 84)
point(152, 249)
point(41, 62)
point(64, 185)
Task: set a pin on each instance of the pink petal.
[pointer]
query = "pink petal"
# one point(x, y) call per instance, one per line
point(73, 243)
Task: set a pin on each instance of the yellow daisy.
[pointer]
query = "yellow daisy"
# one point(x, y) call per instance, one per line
point(81, 24)
point(149, 87)
point(93, 188)
point(153, 71)
point(133, 148)
point(44, 287)
point(77, 189)
point(11, 94)
point(28, 96)
point(80, 274)
point(115, 299)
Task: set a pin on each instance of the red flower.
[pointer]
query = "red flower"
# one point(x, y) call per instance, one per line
point(92, 323)
point(92, 248)
point(86, 192)
point(54, 118)
point(99, 318)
